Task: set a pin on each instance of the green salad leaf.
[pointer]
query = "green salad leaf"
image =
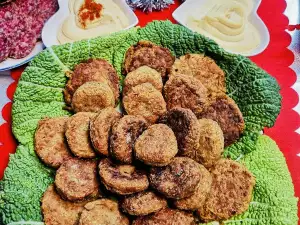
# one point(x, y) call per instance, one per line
point(40, 94)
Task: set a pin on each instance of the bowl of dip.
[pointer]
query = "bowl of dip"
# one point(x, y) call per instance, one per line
point(233, 24)
point(85, 19)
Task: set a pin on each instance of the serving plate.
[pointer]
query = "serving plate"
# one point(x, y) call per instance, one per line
point(182, 13)
point(51, 28)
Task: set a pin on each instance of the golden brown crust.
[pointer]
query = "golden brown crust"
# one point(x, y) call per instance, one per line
point(157, 146)
point(77, 134)
point(204, 69)
point(122, 179)
point(56, 211)
point(186, 92)
point(76, 180)
point(143, 74)
point(103, 211)
point(124, 135)
point(229, 117)
point(98, 70)
point(143, 203)
point(92, 97)
point(50, 144)
point(197, 199)
point(100, 129)
point(166, 217)
point(145, 53)
point(177, 180)
point(146, 101)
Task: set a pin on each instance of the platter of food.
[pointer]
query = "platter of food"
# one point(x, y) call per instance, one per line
point(184, 147)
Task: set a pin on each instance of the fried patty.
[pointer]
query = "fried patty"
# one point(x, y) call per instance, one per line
point(204, 69)
point(76, 180)
point(157, 146)
point(143, 203)
point(100, 129)
point(143, 74)
point(57, 211)
point(146, 101)
point(186, 92)
point(49, 141)
point(98, 70)
point(145, 53)
point(124, 135)
point(92, 97)
point(102, 212)
point(122, 179)
point(228, 115)
point(177, 180)
point(77, 134)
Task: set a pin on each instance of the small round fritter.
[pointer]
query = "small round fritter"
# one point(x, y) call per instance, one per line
point(204, 69)
point(124, 135)
point(211, 143)
point(228, 115)
point(145, 53)
point(122, 179)
point(92, 97)
point(185, 126)
point(77, 134)
point(142, 75)
point(166, 217)
point(231, 190)
point(100, 129)
point(157, 146)
point(76, 180)
point(186, 92)
point(102, 212)
point(197, 199)
point(55, 210)
point(98, 70)
point(143, 203)
point(146, 101)
point(177, 180)
point(50, 144)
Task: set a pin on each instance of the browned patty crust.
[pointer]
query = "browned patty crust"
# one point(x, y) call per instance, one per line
point(197, 199)
point(185, 126)
point(102, 212)
point(204, 69)
point(98, 70)
point(228, 115)
point(143, 203)
point(146, 101)
point(50, 144)
point(124, 135)
point(143, 74)
point(92, 97)
point(76, 180)
point(145, 53)
point(57, 211)
point(122, 179)
point(77, 134)
point(231, 190)
point(186, 92)
point(177, 180)
point(100, 129)
point(166, 217)
point(157, 146)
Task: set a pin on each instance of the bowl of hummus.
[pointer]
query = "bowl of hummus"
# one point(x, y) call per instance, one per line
point(85, 19)
point(233, 24)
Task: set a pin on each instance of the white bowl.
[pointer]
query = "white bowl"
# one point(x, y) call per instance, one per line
point(50, 30)
point(181, 16)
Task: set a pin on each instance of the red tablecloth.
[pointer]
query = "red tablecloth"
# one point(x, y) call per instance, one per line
point(276, 60)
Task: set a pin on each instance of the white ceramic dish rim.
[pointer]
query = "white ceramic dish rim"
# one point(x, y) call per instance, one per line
point(51, 27)
point(254, 17)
